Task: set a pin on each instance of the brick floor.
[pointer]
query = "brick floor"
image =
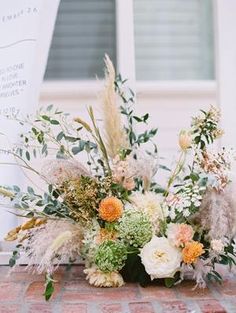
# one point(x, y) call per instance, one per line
point(21, 292)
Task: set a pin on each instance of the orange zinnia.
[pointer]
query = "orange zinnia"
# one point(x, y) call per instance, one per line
point(110, 209)
point(192, 251)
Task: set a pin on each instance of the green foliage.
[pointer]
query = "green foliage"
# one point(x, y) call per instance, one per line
point(49, 287)
point(205, 128)
point(33, 204)
point(134, 271)
point(214, 276)
point(15, 256)
point(228, 257)
point(132, 119)
point(52, 130)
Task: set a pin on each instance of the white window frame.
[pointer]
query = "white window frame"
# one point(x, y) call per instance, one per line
point(125, 51)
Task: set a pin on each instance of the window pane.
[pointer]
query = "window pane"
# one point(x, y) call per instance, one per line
point(84, 32)
point(174, 39)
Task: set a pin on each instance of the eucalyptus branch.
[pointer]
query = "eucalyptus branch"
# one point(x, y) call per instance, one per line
point(47, 133)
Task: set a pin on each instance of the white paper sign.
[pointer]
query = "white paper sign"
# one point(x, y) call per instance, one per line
point(26, 28)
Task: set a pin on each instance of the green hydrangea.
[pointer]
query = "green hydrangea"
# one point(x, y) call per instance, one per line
point(111, 256)
point(135, 228)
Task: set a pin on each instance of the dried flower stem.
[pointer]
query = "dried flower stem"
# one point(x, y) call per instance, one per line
point(176, 171)
point(99, 140)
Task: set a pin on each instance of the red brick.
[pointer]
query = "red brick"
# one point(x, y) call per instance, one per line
point(111, 308)
point(100, 294)
point(23, 277)
point(211, 306)
point(3, 271)
point(9, 308)
point(174, 306)
point(141, 307)
point(10, 291)
point(157, 293)
point(78, 285)
point(76, 272)
point(187, 289)
point(35, 291)
point(40, 308)
point(20, 273)
point(74, 308)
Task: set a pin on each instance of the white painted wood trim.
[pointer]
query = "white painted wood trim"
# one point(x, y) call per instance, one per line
point(4, 258)
point(82, 89)
point(225, 47)
point(69, 89)
point(5, 252)
point(169, 88)
point(125, 40)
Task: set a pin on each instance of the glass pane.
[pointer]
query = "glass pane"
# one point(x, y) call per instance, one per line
point(84, 32)
point(174, 39)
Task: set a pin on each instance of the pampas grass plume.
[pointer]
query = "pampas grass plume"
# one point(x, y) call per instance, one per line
point(115, 137)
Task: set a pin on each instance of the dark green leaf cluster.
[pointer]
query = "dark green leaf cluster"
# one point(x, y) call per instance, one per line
point(33, 204)
point(15, 256)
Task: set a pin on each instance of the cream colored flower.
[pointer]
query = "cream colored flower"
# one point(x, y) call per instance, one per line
point(160, 258)
point(185, 140)
point(149, 203)
point(217, 245)
point(98, 278)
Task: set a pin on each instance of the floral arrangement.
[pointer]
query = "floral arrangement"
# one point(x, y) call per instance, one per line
point(110, 211)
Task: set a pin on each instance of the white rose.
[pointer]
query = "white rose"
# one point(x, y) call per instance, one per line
point(160, 258)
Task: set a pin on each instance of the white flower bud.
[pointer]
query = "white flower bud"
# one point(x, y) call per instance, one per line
point(185, 140)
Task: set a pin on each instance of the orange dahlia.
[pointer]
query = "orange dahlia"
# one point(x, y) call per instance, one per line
point(110, 209)
point(192, 251)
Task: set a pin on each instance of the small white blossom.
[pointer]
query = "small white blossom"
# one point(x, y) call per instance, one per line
point(217, 245)
point(184, 198)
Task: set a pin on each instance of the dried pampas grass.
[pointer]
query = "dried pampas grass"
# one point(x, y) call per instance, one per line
point(60, 170)
point(218, 212)
point(52, 244)
point(115, 136)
